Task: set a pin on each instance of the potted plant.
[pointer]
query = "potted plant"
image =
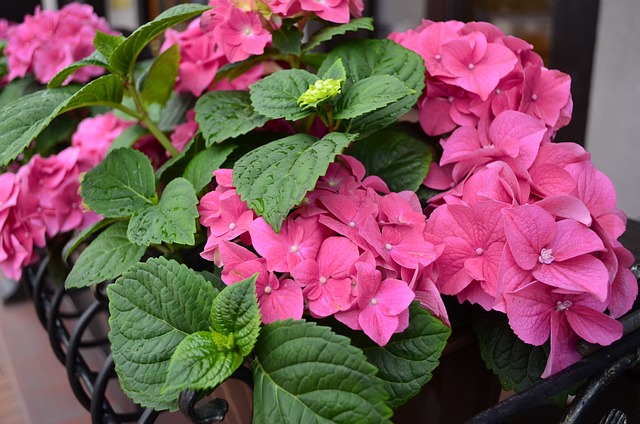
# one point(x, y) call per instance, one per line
point(258, 203)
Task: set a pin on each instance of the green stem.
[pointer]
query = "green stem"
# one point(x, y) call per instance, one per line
point(151, 126)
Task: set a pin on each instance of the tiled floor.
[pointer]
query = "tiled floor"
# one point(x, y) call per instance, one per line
point(33, 384)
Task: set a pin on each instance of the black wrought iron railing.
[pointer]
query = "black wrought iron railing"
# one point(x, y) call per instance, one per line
point(78, 336)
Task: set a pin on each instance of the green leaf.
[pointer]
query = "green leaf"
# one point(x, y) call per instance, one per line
point(94, 59)
point(106, 90)
point(83, 235)
point(399, 155)
point(305, 373)
point(124, 57)
point(59, 130)
point(199, 364)
point(120, 185)
point(518, 365)
point(336, 71)
point(18, 88)
point(175, 111)
point(370, 94)
point(276, 96)
point(128, 137)
point(172, 220)
point(329, 32)
point(231, 71)
point(106, 43)
point(22, 120)
point(199, 171)
point(226, 114)
point(107, 257)
point(288, 40)
point(366, 58)
point(275, 177)
point(406, 363)
point(159, 83)
point(235, 312)
point(153, 307)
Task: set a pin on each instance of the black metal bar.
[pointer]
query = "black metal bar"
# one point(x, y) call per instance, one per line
point(580, 404)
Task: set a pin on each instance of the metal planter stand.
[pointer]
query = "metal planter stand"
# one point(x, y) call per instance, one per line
point(70, 333)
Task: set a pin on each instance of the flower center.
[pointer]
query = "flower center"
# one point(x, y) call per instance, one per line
point(479, 251)
point(534, 97)
point(498, 91)
point(546, 256)
point(388, 246)
point(323, 280)
point(232, 226)
point(247, 30)
point(268, 290)
point(471, 66)
point(563, 306)
point(374, 301)
point(438, 57)
point(352, 224)
point(294, 248)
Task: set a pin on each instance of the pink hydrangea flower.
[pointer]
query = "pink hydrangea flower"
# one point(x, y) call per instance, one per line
point(241, 35)
point(48, 41)
point(94, 136)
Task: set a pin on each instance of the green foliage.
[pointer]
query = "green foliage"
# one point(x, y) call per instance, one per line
point(366, 58)
point(226, 114)
point(288, 40)
point(199, 363)
point(406, 363)
point(153, 307)
point(329, 32)
point(105, 44)
point(123, 58)
point(398, 155)
point(161, 79)
point(335, 71)
point(304, 373)
point(199, 171)
point(276, 96)
point(171, 220)
point(370, 94)
point(275, 177)
point(23, 119)
point(94, 59)
point(518, 365)
point(205, 359)
point(83, 236)
point(120, 185)
point(107, 257)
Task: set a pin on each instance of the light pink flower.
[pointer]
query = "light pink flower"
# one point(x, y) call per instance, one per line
point(94, 136)
point(241, 35)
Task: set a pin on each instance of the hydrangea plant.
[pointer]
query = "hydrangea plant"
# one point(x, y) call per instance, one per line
point(255, 200)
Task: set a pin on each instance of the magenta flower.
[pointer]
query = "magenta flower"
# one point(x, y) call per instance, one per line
point(548, 249)
point(538, 312)
point(298, 239)
point(241, 35)
point(474, 239)
point(476, 65)
point(545, 93)
point(328, 285)
point(278, 300)
point(381, 307)
point(94, 136)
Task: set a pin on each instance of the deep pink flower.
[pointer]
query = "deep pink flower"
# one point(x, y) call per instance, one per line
point(475, 64)
point(549, 250)
point(94, 136)
point(241, 35)
point(298, 239)
point(381, 307)
point(538, 311)
point(545, 93)
point(278, 300)
point(328, 285)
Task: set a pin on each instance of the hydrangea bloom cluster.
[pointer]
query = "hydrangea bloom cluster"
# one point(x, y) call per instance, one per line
point(243, 28)
point(353, 250)
point(475, 72)
point(530, 228)
point(48, 41)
